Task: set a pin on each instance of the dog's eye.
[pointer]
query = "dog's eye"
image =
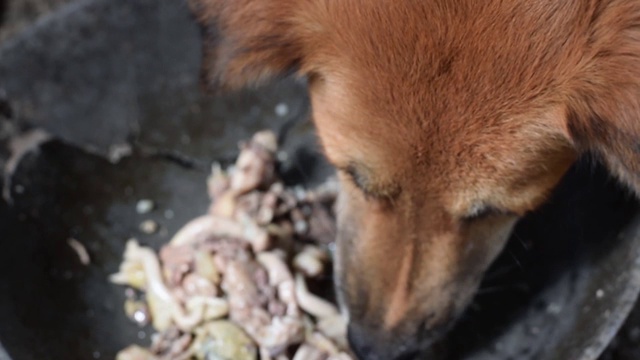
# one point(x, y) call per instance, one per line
point(361, 178)
point(485, 211)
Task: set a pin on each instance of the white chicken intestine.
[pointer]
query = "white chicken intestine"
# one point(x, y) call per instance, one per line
point(163, 305)
point(244, 261)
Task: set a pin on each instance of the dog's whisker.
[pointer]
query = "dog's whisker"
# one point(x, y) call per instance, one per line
point(500, 272)
point(521, 286)
point(525, 245)
point(515, 259)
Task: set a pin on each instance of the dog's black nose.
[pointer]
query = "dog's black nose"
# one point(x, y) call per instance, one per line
point(361, 344)
point(368, 344)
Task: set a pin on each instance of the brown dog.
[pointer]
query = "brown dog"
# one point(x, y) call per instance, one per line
point(448, 120)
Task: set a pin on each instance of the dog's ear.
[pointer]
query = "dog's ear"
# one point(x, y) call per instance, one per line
point(246, 42)
point(604, 115)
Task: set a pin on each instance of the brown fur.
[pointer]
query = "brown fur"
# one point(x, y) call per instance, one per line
point(448, 120)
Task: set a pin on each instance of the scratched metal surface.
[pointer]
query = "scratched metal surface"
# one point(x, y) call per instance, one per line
point(99, 74)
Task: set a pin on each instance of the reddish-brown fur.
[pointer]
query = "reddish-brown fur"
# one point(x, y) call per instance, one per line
point(448, 120)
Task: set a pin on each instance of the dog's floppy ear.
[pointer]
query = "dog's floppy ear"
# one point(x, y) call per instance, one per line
point(604, 115)
point(246, 42)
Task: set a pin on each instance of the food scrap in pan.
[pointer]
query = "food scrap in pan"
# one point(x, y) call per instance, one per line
point(233, 284)
point(80, 250)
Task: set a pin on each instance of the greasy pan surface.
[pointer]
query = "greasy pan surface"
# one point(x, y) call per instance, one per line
point(103, 73)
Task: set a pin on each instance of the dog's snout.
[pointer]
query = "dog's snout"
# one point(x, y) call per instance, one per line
point(373, 344)
point(360, 343)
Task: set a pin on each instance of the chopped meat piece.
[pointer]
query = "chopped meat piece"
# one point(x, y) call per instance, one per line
point(231, 283)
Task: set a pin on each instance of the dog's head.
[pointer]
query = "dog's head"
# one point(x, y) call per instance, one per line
point(446, 122)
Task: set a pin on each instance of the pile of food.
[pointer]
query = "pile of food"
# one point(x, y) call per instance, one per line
point(234, 284)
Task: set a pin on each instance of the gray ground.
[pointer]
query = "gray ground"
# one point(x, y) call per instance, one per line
point(16, 15)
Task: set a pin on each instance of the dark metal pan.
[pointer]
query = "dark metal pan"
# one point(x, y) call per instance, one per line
point(114, 83)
